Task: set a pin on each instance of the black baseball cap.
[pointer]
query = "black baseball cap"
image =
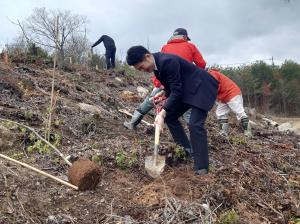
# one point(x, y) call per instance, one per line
point(181, 31)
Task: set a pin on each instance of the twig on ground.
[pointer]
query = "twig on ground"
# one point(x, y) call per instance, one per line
point(5, 180)
point(17, 196)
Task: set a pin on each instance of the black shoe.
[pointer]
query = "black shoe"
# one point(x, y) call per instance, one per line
point(201, 172)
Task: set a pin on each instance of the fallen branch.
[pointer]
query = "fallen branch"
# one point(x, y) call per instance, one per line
point(270, 122)
point(26, 214)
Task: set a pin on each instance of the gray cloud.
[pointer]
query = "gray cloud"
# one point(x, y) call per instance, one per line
point(225, 31)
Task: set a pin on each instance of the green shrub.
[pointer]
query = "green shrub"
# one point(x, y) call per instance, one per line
point(180, 153)
point(125, 161)
point(18, 155)
point(37, 145)
point(229, 217)
point(96, 159)
point(238, 140)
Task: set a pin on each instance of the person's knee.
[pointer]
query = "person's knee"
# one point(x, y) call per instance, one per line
point(197, 126)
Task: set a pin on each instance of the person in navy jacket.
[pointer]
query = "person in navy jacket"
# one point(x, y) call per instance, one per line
point(186, 86)
point(110, 50)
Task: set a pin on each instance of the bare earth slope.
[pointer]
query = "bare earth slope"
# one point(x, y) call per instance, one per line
point(251, 180)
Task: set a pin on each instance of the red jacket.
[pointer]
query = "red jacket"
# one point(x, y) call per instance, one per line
point(184, 49)
point(156, 82)
point(227, 88)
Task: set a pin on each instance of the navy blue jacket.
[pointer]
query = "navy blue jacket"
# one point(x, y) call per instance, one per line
point(108, 42)
point(184, 82)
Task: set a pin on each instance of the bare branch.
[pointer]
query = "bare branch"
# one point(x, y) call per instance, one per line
point(39, 28)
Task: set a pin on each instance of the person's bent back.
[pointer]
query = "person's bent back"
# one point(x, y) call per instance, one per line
point(110, 50)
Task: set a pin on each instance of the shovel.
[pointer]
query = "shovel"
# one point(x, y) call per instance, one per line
point(155, 164)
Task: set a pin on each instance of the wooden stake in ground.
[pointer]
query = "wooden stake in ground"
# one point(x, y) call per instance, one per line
point(6, 60)
point(48, 126)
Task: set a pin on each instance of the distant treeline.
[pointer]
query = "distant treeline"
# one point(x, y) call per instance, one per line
point(269, 88)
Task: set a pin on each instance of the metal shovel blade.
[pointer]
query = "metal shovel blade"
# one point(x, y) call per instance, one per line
point(155, 166)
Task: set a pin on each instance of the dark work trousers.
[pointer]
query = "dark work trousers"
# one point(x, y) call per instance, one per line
point(198, 134)
point(110, 55)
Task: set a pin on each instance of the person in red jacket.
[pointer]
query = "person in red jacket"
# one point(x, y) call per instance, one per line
point(229, 98)
point(229, 94)
point(179, 45)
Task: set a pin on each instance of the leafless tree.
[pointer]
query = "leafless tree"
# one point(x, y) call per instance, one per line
point(77, 48)
point(40, 28)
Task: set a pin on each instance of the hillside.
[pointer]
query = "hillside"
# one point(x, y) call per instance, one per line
point(250, 181)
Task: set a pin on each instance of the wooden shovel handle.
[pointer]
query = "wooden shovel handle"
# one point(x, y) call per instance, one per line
point(157, 133)
point(39, 171)
point(156, 143)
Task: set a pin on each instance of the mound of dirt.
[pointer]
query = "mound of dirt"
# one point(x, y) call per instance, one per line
point(151, 195)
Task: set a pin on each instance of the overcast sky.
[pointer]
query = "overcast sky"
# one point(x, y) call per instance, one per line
point(225, 31)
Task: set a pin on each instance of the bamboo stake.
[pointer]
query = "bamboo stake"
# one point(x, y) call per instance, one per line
point(48, 129)
point(39, 171)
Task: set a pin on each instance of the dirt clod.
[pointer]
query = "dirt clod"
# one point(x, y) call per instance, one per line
point(84, 174)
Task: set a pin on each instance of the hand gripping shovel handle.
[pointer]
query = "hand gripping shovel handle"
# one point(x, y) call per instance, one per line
point(156, 142)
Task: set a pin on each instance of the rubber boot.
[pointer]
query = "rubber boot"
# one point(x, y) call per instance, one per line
point(246, 126)
point(135, 120)
point(224, 126)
